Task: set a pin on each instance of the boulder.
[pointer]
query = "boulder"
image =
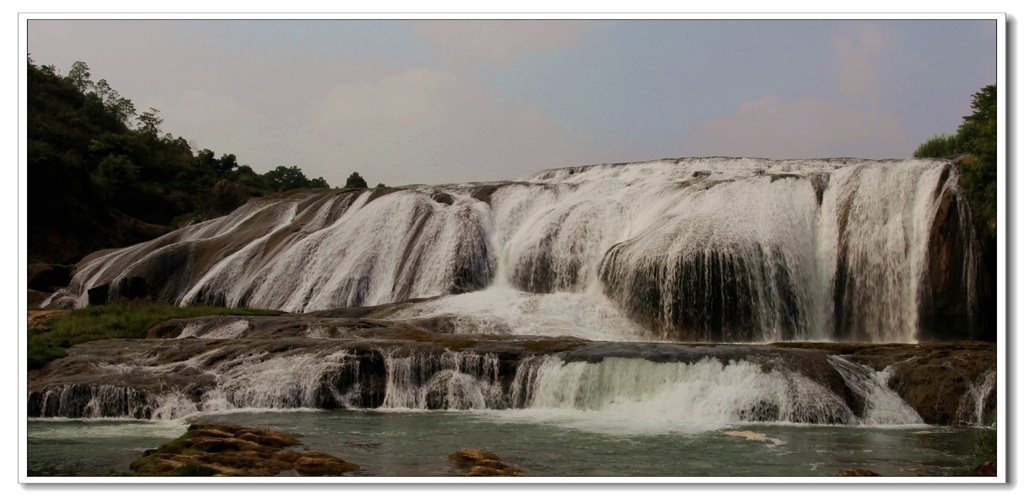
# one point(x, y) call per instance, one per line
point(482, 463)
point(229, 450)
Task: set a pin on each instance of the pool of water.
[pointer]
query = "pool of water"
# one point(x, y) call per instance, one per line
point(545, 444)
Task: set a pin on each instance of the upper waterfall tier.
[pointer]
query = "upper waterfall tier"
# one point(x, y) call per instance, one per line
point(712, 249)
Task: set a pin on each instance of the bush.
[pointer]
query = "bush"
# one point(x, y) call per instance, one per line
point(355, 181)
point(943, 145)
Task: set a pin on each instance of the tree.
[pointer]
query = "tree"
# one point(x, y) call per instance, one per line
point(976, 137)
point(978, 173)
point(355, 181)
point(227, 163)
point(285, 178)
point(79, 76)
point(942, 145)
point(149, 122)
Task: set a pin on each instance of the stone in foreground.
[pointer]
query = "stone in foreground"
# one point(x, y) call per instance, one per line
point(229, 450)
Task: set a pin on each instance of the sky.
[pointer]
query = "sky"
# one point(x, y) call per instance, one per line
point(442, 101)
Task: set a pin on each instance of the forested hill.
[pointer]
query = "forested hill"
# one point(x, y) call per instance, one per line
point(103, 175)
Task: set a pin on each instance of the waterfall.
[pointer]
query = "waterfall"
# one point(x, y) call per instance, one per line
point(708, 391)
point(691, 388)
point(451, 381)
point(108, 401)
point(716, 249)
point(882, 406)
point(979, 392)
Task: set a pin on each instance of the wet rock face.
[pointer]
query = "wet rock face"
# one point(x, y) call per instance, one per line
point(948, 308)
point(231, 450)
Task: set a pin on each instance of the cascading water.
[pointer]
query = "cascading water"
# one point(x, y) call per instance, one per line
point(882, 405)
point(705, 392)
point(695, 388)
point(972, 406)
point(714, 249)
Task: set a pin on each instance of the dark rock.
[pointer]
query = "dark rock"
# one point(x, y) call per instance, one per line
point(482, 463)
point(99, 295)
point(856, 472)
point(986, 469)
point(47, 278)
point(442, 198)
point(945, 313)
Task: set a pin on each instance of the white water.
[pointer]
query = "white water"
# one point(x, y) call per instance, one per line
point(695, 249)
point(613, 393)
point(700, 395)
point(882, 405)
point(505, 310)
point(972, 405)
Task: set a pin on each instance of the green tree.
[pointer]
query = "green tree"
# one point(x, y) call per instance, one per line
point(978, 173)
point(355, 181)
point(150, 122)
point(942, 145)
point(976, 137)
point(227, 163)
point(79, 76)
point(285, 178)
point(116, 173)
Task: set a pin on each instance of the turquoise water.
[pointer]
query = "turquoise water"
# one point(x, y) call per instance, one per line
point(545, 444)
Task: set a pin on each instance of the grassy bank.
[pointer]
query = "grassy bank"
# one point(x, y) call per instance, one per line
point(51, 340)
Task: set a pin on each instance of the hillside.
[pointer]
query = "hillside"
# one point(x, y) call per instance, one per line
point(102, 175)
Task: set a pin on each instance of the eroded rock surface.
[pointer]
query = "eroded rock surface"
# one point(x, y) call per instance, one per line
point(230, 450)
point(480, 463)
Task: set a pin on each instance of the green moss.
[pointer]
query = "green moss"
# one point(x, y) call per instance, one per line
point(129, 320)
point(192, 469)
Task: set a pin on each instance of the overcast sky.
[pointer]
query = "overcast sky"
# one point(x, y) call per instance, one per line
point(405, 102)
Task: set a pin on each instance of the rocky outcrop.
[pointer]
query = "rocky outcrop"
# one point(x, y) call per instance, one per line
point(480, 463)
point(950, 304)
point(950, 383)
point(230, 450)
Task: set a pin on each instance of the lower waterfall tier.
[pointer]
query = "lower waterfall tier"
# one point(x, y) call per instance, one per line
point(218, 364)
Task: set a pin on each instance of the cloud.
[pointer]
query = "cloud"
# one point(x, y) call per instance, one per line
point(408, 98)
point(858, 119)
point(808, 127)
point(857, 53)
point(424, 125)
point(499, 42)
point(215, 121)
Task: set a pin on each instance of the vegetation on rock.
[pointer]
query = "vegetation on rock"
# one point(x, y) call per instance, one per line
point(231, 450)
point(128, 320)
point(976, 137)
point(356, 181)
